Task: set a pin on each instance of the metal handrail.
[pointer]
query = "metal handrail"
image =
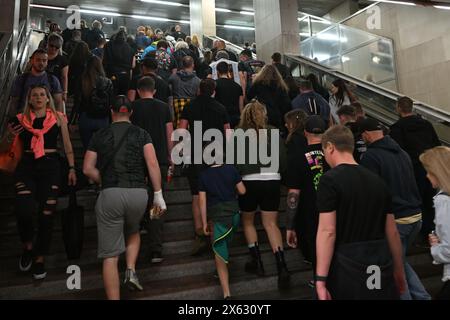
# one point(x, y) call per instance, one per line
point(427, 109)
point(237, 48)
point(10, 70)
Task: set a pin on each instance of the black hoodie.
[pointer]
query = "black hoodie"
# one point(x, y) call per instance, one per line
point(415, 135)
point(385, 158)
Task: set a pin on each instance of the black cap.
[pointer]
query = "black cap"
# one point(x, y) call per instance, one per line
point(315, 125)
point(121, 104)
point(369, 124)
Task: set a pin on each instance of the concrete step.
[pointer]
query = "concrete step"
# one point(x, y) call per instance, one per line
point(173, 267)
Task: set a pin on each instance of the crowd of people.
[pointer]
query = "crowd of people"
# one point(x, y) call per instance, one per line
point(358, 194)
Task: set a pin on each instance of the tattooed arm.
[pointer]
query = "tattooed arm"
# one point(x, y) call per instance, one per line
point(291, 212)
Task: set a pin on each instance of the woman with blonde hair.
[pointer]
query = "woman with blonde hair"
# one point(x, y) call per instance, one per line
point(437, 163)
point(269, 88)
point(37, 177)
point(195, 46)
point(263, 192)
point(150, 33)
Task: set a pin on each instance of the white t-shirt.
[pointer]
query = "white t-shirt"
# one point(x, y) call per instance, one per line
point(233, 71)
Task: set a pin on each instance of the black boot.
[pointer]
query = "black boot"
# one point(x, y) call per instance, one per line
point(255, 265)
point(283, 273)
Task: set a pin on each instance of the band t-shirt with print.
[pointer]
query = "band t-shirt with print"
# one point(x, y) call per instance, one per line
point(305, 168)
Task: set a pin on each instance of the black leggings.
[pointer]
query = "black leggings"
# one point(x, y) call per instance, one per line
point(37, 180)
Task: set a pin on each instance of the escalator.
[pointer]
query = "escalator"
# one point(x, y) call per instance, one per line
point(378, 101)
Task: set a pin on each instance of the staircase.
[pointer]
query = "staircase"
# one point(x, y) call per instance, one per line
point(179, 276)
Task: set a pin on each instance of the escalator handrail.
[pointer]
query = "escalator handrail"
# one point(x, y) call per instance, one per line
point(229, 44)
point(420, 106)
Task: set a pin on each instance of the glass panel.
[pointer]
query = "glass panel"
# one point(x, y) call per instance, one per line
point(319, 25)
point(372, 63)
point(326, 45)
point(305, 48)
point(334, 63)
point(351, 38)
point(304, 29)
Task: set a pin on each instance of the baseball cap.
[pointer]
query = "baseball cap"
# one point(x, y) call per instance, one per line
point(121, 104)
point(370, 125)
point(315, 125)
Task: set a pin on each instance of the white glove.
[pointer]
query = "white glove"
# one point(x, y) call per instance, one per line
point(158, 200)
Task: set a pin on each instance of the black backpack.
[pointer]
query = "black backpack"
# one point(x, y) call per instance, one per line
point(100, 98)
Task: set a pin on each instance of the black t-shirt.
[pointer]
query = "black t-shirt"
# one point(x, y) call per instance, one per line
point(118, 57)
point(50, 138)
point(162, 88)
point(153, 115)
point(211, 113)
point(228, 93)
point(284, 70)
point(56, 66)
point(361, 201)
point(127, 169)
point(305, 168)
point(179, 35)
point(275, 99)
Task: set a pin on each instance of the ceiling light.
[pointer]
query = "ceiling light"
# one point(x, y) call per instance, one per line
point(345, 59)
point(149, 18)
point(395, 2)
point(376, 60)
point(47, 7)
point(238, 27)
point(184, 21)
point(442, 7)
point(101, 13)
point(166, 3)
point(247, 13)
point(222, 10)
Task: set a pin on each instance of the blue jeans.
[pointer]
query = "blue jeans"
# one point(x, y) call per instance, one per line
point(88, 126)
point(415, 290)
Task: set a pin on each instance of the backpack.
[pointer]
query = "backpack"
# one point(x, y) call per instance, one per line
point(313, 108)
point(100, 99)
point(164, 60)
point(252, 67)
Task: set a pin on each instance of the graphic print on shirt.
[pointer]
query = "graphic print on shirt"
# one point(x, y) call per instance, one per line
point(316, 161)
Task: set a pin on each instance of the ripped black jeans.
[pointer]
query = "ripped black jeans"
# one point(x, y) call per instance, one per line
point(37, 181)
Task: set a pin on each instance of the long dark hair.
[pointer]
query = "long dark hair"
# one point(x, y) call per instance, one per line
point(297, 119)
point(79, 56)
point(94, 69)
point(342, 90)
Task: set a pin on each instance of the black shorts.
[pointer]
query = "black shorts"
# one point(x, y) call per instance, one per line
point(265, 194)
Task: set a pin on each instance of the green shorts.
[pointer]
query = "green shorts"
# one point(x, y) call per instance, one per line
point(222, 237)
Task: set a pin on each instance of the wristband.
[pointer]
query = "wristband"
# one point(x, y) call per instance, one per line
point(320, 278)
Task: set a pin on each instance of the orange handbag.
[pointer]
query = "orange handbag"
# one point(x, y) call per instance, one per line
point(9, 159)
